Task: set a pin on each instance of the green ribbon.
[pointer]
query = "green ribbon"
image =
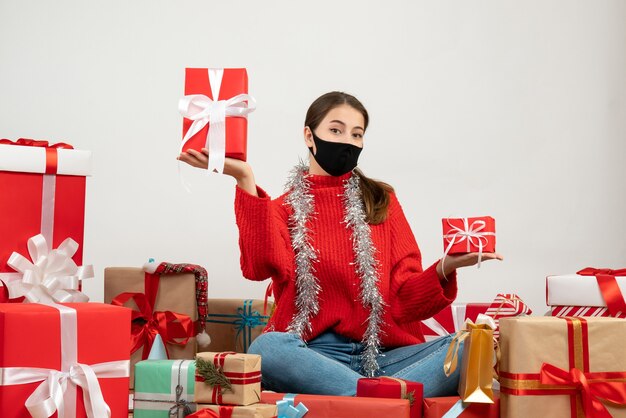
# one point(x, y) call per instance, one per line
point(244, 321)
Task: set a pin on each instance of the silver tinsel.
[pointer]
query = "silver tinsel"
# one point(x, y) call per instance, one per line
point(300, 198)
point(307, 285)
point(366, 267)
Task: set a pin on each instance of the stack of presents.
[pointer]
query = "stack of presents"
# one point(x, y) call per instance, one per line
point(159, 347)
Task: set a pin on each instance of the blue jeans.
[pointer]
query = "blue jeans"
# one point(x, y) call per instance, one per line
point(330, 364)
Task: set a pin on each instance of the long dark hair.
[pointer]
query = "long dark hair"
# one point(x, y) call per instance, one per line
point(375, 193)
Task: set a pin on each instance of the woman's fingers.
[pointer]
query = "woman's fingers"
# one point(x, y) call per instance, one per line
point(194, 159)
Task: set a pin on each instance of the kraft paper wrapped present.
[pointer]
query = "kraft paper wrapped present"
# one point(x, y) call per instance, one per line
point(563, 367)
point(215, 109)
point(391, 387)
point(454, 407)
point(257, 410)
point(234, 323)
point(465, 235)
point(589, 287)
point(478, 361)
point(43, 192)
point(323, 406)
point(174, 301)
point(164, 388)
point(85, 341)
point(228, 378)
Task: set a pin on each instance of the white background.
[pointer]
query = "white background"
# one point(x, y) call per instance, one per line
point(516, 109)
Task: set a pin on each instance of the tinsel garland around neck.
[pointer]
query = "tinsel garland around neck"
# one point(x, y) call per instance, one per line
point(301, 200)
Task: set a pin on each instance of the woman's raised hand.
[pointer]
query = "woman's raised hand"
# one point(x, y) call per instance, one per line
point(453, 262)
point(239, 170)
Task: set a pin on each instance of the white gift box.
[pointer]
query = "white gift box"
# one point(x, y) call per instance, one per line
point(577, 290)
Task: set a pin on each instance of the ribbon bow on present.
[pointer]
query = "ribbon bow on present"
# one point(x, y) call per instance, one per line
point(608, 287)
point(51, 276)
point(147, 324)
point(203, 110)
point(592, 390)
point(286, 408)
point(472, 234)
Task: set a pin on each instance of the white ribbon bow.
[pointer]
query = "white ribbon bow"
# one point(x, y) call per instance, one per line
point(202, 111)
point(48, 397)
point(51, 276)
point(471, 234)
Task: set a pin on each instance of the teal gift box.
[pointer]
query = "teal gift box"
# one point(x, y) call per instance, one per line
point(164, 388)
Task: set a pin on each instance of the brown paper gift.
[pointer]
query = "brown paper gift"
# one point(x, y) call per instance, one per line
point(259, 410)
point(234, 323)
point(476, 373)
point(562, 367)
point(228, 378)
point(176, 293)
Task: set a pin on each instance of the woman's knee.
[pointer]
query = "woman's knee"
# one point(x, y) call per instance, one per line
point(271, 344)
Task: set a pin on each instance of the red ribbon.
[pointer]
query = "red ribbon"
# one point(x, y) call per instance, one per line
point(51, 150)
point(146, 324)
point(609, 288)
point(591, 391)
point(204, 413)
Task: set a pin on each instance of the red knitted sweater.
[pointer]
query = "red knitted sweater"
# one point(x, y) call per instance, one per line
point(410, 293)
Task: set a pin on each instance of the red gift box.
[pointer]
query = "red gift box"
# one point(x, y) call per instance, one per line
point(322, 406)
point(43, 191)
point(452, 319)
point(438, 407)
point(205, 90)
point(69, 337)
point(390, 387)
point(467, 235)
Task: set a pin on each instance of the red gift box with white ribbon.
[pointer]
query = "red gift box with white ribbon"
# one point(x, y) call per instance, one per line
point(468, 235)
point(67, 371)
point(215, 109)
point(43, 192)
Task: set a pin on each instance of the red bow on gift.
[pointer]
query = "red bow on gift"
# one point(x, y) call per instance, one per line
point(608, 287)
point(25, 142)
point(591, 386)
point(147, 324)
point(51, 150)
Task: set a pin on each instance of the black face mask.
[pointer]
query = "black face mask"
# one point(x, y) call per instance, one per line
point(336, 158)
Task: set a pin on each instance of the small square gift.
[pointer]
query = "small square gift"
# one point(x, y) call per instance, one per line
point(167, 300)
point(469, 235)
point(164, 388)
point(234, 323)
point(589, 292)
point(76, 366)
point(215, 109)
point(228, 378)
point(391, 387)
point(42, 194)
point(562, 367)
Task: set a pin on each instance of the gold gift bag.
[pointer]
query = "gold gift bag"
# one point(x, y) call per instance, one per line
point(476, 380)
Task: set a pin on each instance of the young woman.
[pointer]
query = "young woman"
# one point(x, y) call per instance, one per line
point(346, 269)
